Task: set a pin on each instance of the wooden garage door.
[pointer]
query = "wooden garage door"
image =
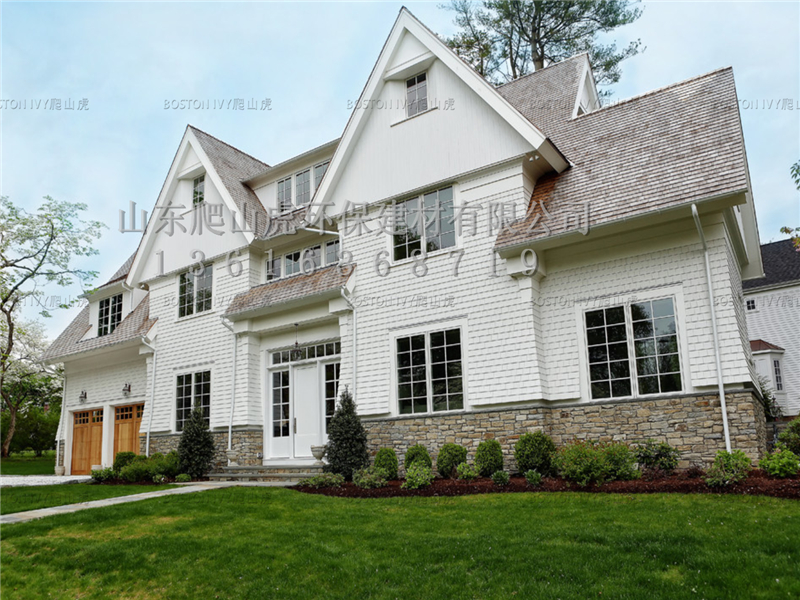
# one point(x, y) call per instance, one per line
point(87, 441)
point(126, 428)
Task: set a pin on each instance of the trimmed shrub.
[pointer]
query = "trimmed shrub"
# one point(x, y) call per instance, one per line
point(620, 461)
point(782, 462)
point(196, 446)
point(534, 451)
point(728, 468)
point(657, 455)
point(489, 457)
point(418, 475)
point(167, 465)
point(466, 472)
point(159, 478)
point(450, 456)
point(581, 462)
point(137, 471)
point(347, 439)
point(102, 475)
point(123, 459)
point(534, 478)
point(501, 477)
point(790, 437)
point(369, 478)
point(324, 480)
point(417, 453)
point(183, 478)
point(386, 459)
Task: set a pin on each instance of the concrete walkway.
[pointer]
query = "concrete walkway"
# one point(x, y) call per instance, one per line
point(30, 480)
point(22, 517)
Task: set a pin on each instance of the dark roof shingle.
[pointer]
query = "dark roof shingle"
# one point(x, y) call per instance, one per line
point(781, 265)
point(761, 345)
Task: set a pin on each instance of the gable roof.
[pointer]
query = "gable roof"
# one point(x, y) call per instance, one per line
point(762, 346)
point(781, 266)
point(673, 146)
point(122, 272)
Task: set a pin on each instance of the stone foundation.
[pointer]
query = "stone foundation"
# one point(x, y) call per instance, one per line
point(246, 442)
point(60, 454)
point(693, 424)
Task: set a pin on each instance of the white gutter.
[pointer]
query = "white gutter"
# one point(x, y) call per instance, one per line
point(128, 289)
point(711, 304)
point(61, 417)
point(152, 396)
point(233, 382)
point(354, 354)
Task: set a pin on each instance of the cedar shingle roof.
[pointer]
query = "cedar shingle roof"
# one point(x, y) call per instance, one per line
point(285, 290)
point(135, 325)
point(122, 272)
point(761, 345)
point(671, 146)
point(781, 265)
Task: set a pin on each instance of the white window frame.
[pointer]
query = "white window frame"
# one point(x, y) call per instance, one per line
point(310, 182)
point(777, 374)
point(427, 329)
point(202, 180)
point(192, 373)
point(423, 252)
point(626, 299)
point(284, 204)
point(427, 95)
point(107, 322)
point(322, 247)
point(747, 302)
point(324, 163)
point(195, 312)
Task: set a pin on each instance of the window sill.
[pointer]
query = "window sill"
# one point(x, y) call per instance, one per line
point(435, 253)
point(204, 313)
point(424, 112)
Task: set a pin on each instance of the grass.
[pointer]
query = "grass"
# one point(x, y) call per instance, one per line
point(275, 543)
point(26, 463)
point(18, 499)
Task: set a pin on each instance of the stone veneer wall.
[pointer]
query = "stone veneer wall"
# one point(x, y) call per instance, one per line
point(60, 454)
point(693, 424)
point(246, 442)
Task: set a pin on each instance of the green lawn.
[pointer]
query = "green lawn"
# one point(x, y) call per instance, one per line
point(18, 499)
point(26, 463)
point(275, 543)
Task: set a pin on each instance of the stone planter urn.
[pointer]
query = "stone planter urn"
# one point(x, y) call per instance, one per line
point(60, 471)
point(318, 452)
point(232, 455)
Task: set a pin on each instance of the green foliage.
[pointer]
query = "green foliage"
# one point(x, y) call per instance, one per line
point(167, 465)
point(657, 455)
point(370, 478)
point(534, 478)
point(386, 459)
point(501, 478)
point(418, 475)
point(417, 453)
point(137, 471)
point(489, 457)
point(450, 456)
point(102, 475)
point(183, 478)
point(534, 451)
point(196, 446)
point(466, 472)
point(790, 437)
point(728, 468)
point(123, 459)
point(620, 461)
point(782, 462)
point(586, 462)
point(768, 400)
point(324, 480)
point(347, 440)
point(158, 478)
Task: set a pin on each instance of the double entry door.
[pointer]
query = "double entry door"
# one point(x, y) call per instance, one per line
point(302, 398)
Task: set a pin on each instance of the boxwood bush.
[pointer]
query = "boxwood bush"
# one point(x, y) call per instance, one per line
point(123, 459)
point(657, 456)
point(534, 451)
point(489, 457)
point(534, 478)
point(324, 480)
point(417, 453)
point(386, 459)
point(501, 478)
point(466, 472)
point(450, 456)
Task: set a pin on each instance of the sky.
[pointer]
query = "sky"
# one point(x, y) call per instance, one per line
point(130, 60)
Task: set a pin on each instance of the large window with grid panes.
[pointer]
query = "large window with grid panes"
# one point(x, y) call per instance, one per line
point(303, 261)
point(297, 190)
point(633, 349)
point(429, 372)
point(424, 224)
point(192, 390)
point(109, 314)
point(194, 291)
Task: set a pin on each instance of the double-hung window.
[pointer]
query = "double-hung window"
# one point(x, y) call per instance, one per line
point(633, 349)
point(424, 222)
point(109, 315)
point(319, 173)
point(332, 252)
point(416, 95)
point(429, 373)
point(285, 194)
point(198, 190)
point(332, 371)
point(193, 389)
point(776, 366)
point(303, 187)
point(194, 292)
point(273, 268)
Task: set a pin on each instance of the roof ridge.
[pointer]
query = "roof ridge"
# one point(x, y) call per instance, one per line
point(550, 66)
point(232, 147)
point(655, 91)
point(787, 240)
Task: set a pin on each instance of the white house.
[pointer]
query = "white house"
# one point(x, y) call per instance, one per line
point(772, 304)
point(470, 261)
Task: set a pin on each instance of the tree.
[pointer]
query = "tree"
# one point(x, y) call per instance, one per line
point(795, 233)
point(506, 39)
point(35, 249)
point(347, 439)
point(196, 446)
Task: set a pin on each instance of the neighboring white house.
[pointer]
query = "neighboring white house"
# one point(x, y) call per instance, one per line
point(471, 261)
point(773, 319)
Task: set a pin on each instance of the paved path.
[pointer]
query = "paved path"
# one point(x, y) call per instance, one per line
point(24, 480)
point(22, 517)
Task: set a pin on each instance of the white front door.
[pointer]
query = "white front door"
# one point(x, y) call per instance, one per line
point(307, 410)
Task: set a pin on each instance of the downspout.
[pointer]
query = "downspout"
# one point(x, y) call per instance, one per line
point(152, 396)
point(354, 355)
point(227, 324)
point(711, 304)
point(61, 417)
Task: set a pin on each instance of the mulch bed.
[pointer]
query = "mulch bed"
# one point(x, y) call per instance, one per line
point(757, 484)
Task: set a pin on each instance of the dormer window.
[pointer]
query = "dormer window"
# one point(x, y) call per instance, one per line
point(303, 186)
point(285, 194)
point(110, 315)
point(199, 190)
point(194, 293)
point(416, 94)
